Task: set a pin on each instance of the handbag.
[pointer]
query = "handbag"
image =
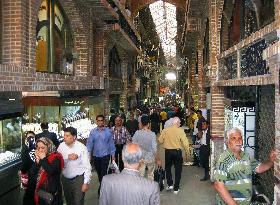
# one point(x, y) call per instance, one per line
point(45, 196)
point(159, 176)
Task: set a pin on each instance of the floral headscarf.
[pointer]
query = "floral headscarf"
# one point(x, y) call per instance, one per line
point(48, 143)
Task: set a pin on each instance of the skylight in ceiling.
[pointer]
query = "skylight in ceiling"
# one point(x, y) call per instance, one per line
point(164, 17)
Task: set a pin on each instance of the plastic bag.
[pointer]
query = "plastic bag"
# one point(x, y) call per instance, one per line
point(113, 168)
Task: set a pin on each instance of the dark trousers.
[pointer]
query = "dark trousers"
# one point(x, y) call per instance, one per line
point(28, 197)
point(101, 165)
point(173, 157)
point(73, 190)
point(204, 159)
point(118, 156)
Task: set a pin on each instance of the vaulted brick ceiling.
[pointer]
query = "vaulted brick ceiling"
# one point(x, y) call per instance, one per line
point(138, 5)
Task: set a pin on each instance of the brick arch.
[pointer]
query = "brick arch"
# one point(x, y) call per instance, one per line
point(136, 6)
point(76, 26)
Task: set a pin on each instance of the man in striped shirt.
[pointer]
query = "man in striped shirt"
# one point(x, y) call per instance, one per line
point(120, 136)
point(233, 171)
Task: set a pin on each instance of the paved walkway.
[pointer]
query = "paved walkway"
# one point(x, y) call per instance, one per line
point(192, 190)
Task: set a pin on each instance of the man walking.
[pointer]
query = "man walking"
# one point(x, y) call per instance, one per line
point(77, 170)
point(45, 133)
point(173, 139)
point(120, 136)
point(146, 139)
point(205, 150)
point(128, 187)
point(233, 171)
point(101, 146)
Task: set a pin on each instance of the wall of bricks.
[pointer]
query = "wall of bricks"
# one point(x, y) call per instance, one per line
point(18, 72)
point(271, 54)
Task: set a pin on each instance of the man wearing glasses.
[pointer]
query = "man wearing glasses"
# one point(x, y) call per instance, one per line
point(100, 145)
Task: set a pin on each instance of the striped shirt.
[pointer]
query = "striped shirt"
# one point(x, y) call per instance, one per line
point(236, 175)
point(121, 136)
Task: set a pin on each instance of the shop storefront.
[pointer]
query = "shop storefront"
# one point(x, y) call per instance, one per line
point(10, 143)
point(68, 108)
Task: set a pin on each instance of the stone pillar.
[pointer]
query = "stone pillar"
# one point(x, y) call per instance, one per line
point(217, 93)
point(123, 96)
point(104, 71)
point(193, 83)
point(201, 76)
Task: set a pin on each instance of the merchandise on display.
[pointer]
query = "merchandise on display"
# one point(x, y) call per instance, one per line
point(83, 126)
point(36, 127)
point(7, 157)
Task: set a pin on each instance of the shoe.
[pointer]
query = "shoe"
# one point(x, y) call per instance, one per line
point(176, 191)
point(168, 188)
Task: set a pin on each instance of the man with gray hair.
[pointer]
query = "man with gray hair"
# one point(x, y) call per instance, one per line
point(233, 171)
point(129, 187)
point(174, 140)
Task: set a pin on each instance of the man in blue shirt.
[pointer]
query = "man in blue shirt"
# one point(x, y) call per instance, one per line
point(100, 145)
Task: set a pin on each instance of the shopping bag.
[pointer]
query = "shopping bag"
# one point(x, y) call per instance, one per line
point(159, 176)
point(113, 168)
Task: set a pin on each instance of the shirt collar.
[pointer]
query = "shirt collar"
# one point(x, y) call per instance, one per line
point(131, 171)
point(100, 128)
point(241, 153)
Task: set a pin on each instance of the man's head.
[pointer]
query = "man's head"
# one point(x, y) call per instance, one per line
point(100, 120)
point(131, 116)
point(234, 140)
point(199, 114)
point(70, 135)
point(145, 120)
point(132, 156)
point(44, 125)
point(118, 121)
point(112, 111)
point(176, 121)
point(204, 125)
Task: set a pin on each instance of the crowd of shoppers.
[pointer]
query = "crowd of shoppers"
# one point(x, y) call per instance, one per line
point(130, 141)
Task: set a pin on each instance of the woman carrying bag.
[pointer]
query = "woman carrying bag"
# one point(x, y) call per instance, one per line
point(48, 188)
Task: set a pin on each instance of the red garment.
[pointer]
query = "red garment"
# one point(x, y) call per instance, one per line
point(44, 175)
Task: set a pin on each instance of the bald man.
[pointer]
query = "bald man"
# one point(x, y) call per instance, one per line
point(129, 187)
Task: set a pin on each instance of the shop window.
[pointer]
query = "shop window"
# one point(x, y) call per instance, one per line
point(196, 64)
point(114, 64)
point(54, 45)
point(206, 44)
point(241, 18)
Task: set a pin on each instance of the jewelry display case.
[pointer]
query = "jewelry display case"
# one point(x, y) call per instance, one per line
point(11, 110)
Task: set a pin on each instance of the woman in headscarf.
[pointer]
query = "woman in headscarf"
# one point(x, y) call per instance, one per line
point(28, 172)
point(50, 165)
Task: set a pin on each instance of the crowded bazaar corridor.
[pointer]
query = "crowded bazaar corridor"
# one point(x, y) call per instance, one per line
point(139, 102)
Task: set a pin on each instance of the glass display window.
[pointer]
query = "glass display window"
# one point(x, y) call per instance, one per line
point(10, 140)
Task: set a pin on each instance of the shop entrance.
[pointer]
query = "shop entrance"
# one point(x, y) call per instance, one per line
point(114, 102)
point(252, 109)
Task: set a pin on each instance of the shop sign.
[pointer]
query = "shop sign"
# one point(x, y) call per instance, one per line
point(71, 102)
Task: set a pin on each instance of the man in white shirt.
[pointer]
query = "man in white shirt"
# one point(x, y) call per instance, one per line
point(204, 152)
point(77, 169)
